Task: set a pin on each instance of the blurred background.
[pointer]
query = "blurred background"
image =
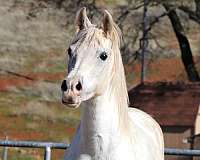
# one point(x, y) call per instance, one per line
point(34, 37)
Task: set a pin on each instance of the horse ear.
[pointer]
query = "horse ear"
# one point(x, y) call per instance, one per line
point(82, 21)
point(108, 23)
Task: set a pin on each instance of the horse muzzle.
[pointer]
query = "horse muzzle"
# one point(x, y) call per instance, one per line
point(71, 93)
point(70, 100)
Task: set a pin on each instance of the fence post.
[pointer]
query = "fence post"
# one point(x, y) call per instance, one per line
point(47, 155)
point(5, 151)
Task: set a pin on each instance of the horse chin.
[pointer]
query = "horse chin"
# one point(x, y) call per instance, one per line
point(71, 104)
point(75, 102)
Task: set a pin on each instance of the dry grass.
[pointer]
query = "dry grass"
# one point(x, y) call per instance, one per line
point(43, 91)
point(29, 41)
point(36, 109)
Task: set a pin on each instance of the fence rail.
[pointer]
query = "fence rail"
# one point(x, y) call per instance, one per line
point(182, 152)
point(33, 144)
point(48, 146)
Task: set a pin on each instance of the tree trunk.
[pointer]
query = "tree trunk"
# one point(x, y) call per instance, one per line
point(144, 44)
point(186, 53)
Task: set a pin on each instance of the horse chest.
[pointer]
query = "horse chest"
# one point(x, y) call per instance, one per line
point(99, 146)
point(106, 148)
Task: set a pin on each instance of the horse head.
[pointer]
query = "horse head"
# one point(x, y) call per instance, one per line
point(91, 59)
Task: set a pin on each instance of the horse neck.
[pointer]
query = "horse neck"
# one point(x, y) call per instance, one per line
point(99, 112)
point(102, 122)
point(99, 122)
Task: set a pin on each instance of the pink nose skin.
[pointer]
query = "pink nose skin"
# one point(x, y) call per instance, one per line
point(71, 92)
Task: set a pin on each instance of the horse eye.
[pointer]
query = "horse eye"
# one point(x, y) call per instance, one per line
point(69, 52)
point(103, 56)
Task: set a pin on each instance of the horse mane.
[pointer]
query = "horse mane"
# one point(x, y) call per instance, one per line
point(118, 83)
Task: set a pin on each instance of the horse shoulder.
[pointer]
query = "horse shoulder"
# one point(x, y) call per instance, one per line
point(147, 132)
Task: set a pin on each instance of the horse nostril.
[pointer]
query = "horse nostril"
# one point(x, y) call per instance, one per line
point(64, 86)
point(78, 86)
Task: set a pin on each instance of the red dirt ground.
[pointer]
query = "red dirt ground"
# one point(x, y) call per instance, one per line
point(7, 81)
point(23, 136)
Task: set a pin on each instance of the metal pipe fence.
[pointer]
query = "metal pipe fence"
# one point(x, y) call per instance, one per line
point(48, 146)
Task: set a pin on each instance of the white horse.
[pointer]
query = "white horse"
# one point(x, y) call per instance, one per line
point(108, 130)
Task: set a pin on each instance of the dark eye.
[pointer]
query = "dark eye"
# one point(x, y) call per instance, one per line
point(69, 52)
point(103, 56)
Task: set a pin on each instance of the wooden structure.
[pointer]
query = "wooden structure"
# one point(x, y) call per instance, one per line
point(175, 106)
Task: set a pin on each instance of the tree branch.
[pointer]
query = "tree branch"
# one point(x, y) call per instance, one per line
point(192, 15)
point(125, 11)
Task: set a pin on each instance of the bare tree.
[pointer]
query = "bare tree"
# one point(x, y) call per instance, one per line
point(186, 53)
